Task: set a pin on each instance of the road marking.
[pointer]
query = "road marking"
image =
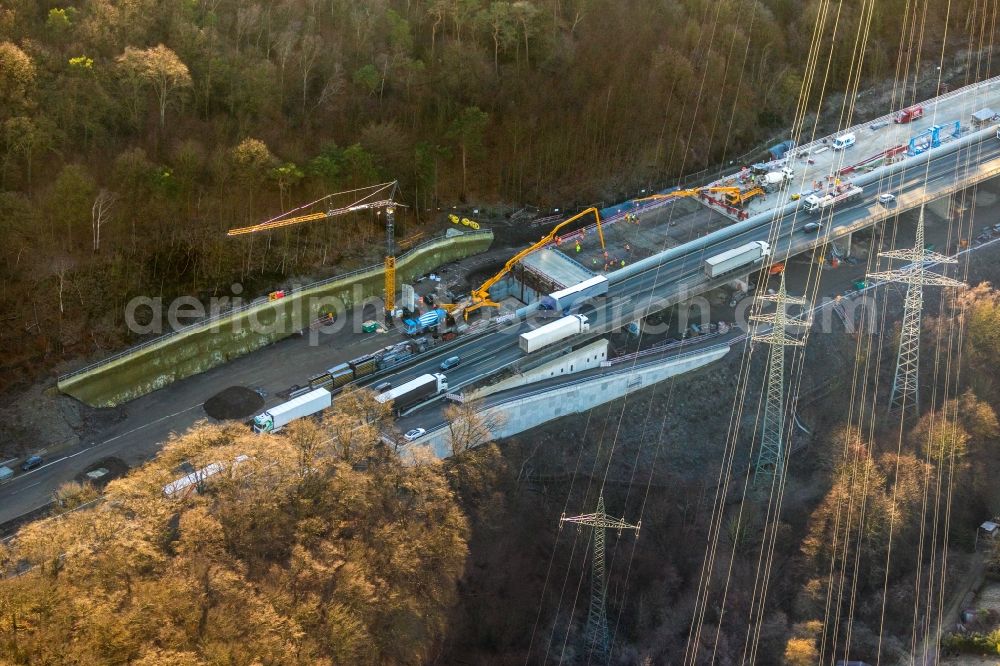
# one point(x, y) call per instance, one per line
point(107, 441)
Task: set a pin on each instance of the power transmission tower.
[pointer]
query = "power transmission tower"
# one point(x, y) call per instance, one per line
point(770, 459)
point(597, 617)
point(905, 385)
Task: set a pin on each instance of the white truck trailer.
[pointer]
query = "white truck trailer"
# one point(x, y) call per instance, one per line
point(564, 299)
point(815, 204)
point(414, 391)
point(560, 329)
point(730, 260)
point(281, 415)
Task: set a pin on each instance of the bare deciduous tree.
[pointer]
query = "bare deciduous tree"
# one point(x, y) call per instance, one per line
point(470, 427)
point(99, 214)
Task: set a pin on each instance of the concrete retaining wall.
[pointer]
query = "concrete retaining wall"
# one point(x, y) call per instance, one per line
point(202, 348)
point(582, 359)
point(533, 409)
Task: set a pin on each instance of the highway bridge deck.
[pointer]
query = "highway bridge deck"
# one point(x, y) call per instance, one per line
point(816, 164)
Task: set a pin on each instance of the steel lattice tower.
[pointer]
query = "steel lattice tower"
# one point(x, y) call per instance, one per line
point(770, 459)
point(597, 617)
point(906, 385)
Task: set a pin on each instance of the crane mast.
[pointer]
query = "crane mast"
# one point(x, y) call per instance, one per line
point(366, 202)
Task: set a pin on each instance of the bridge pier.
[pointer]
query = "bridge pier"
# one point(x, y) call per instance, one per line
point(843, 244)
point(941, 207)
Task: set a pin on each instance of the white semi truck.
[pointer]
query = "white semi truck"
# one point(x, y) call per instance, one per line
point(815, 203)
point(738, 257)
point(281, 415)
point(414, 391)
point(560, 329)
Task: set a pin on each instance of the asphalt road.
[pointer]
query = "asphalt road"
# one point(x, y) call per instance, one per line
point(682, 278)
point(151, 419)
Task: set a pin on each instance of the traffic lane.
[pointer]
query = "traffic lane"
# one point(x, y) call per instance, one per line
point(658, 278)
point(944, 168)
point(662, 278)
point(32, 490)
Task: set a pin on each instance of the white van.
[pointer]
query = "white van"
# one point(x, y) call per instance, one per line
point(844, 141)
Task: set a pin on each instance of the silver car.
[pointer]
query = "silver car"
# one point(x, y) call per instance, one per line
point(414, 434)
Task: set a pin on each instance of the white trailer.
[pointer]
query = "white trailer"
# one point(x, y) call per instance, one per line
point(281, 415)
point(730, 260)
point(551, 333)
point(564, 299)
point(414, 391)
point(815, 203)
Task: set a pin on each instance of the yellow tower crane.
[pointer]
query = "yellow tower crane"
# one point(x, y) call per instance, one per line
point(369, 201)
point(481, 297)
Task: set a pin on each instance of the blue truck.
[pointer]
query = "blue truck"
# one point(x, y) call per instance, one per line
point(778, 151)
point(426, 321)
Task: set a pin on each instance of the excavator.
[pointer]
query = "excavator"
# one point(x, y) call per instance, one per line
point(481, 297)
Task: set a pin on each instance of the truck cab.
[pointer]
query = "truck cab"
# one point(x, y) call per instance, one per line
point(813, 202)
point(909, 114)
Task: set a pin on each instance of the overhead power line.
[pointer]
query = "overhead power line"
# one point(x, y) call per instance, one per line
point(906, 385)
point(598, 645)
point(770, 459)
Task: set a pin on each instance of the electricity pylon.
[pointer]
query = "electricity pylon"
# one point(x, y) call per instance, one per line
point(770, 459)
point(597, 617)
point(906, 385)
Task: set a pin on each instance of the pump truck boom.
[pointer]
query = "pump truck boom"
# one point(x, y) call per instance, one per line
point(481, 297)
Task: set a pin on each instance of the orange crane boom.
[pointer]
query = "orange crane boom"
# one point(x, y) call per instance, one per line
point(285, 220)
point(280, 222)
point(481, 297)
point(734, 195)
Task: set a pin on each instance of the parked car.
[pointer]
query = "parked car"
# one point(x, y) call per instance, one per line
point(32, 463)
point(886, 198)
point(450, 362)
point(414, 434)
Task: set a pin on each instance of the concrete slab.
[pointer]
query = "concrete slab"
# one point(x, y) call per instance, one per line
point(559, 268)
point(655, 228)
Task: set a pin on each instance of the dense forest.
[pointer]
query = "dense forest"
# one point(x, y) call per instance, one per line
point(134, 132)
point(323, 546)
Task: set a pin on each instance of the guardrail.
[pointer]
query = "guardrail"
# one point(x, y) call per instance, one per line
point(807, 148)
point(257, 302)
point(890, 117)
point(582, 380)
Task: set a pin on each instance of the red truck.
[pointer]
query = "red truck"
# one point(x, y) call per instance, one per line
point(910, 114)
